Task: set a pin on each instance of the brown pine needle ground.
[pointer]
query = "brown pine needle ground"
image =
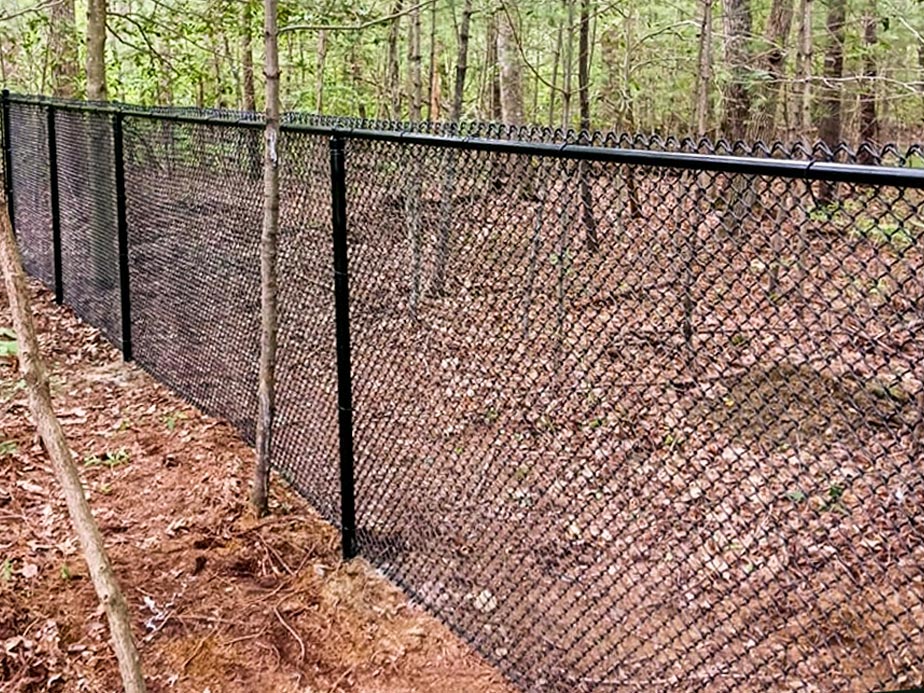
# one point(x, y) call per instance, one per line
point(221, 601)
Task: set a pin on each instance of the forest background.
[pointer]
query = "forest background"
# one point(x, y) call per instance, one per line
point(742, 69)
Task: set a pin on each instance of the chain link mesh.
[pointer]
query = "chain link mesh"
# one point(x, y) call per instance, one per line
point(89, 243)
point(32, 192)
point(194, 216)
point(620, 426)
point(642, 427)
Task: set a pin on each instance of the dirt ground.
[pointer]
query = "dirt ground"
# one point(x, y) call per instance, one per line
point(221, 601)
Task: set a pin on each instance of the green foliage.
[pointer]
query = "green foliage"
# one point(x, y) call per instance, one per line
point(643, 63)
point(9, 347)
point(171, 419)
point(108, 459)
point(885, 232)
point(8, 448)
point(6, 570)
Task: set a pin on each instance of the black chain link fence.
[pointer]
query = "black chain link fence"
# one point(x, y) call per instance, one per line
point(33, 197)
point(624, 422)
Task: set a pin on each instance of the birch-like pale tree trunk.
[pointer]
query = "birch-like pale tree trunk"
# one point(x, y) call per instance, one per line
point(268, 252)
point(62, 462)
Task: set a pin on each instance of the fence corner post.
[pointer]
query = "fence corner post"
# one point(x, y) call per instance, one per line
point(55, 204)
point(7, 156)
point(122, 221)
point(344, 372)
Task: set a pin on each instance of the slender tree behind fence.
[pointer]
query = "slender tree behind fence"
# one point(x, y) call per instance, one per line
point(683, 456)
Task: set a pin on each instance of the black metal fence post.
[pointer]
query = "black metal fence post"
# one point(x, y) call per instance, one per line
point(122, 220)
point(344, 374)
point(8, 156)
point(55, 205)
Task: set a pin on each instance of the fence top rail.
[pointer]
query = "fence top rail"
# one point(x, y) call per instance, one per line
point(714, 163)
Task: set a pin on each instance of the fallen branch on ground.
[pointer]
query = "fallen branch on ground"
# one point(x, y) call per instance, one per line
point(62, 461)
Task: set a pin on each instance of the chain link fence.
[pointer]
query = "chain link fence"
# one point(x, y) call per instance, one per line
point(623, 418)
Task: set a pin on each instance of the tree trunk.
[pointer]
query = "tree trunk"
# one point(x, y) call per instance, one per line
point(103, 222)
point(587, 199)
point(773, 62)
point(921, 70)
point(704, 69)
point(738, 58)
point(433, 107)
point(415, 60)
point(829, 123)
point(63, 44)
point(319, 77)
point(392, 66)
point(268, 252)
point(96, 50)
point(567, 67)
point(450, 158)
point(491, 65)
point(462, 62)
point(553, 91)
point(62, 461)
point(803, 91)
point(414, 181)
point(511, 77)
point(248, 88)
point(869, 123)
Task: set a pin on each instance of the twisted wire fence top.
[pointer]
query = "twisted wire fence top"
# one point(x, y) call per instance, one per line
point(868, 153)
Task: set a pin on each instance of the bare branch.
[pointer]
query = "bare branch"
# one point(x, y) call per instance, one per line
point(41, 7)
point(355, 27)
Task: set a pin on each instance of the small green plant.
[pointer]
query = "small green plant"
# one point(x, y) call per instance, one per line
point(65, 572)
point(8, 447)
point(739, 340)
point(9, 347)
point(833, 500)
point(596, 423)
point(824, 212)
point(108, 459)
point(171, 419)
point(915, 161)
point(6, 570)
point(8, 391)
point(885, 232)
point(795, 495)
